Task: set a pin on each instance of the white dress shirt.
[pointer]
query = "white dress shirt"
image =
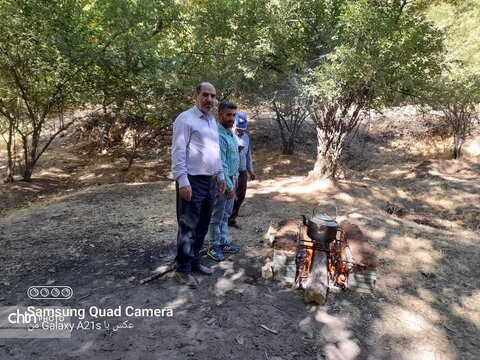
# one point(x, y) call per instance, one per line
point(195, 146)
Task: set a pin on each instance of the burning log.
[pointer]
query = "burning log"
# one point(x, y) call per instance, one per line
point(325, 258)
point(312, 269)
point(316, 283)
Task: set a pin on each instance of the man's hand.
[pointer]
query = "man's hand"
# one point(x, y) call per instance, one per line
point(230, 194)
point(222, 186)
point(252, 176)
point(185, 193)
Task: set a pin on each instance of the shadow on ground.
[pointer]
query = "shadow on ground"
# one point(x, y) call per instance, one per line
point(102, 240)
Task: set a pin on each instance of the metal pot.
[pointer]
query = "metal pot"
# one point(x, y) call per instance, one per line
point(321, 228)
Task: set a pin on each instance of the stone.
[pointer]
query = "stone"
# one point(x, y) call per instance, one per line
point(362, 252)
point(267, 270)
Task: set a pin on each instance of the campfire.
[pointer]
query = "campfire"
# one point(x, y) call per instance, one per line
point(322, 258)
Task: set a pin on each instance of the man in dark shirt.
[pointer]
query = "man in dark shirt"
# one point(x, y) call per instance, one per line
point(246, 166)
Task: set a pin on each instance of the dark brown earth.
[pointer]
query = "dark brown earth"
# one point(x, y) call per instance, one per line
point(85, 223)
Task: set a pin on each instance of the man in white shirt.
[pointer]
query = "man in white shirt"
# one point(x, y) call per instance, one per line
point(198, 172)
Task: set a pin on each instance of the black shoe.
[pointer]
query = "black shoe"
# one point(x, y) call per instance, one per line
point(186, 279)
point(202, 269)
point(235, 225)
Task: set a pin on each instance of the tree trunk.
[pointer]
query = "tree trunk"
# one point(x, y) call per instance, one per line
point(29, 156)
point(136, 143)
point(329, 149)
point(108, 121)
point(291, 114)
point(291, 144)
point(27, 173)
point(326, 166)
point(104, 104)
point(288, 147)
point(457, 146)
point(10, 162)
point(10, 167)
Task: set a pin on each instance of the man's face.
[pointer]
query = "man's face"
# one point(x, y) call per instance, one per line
point(205, 100)
point(239, 131)
point(227, 118)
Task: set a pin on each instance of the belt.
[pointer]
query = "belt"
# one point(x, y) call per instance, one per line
point(214, 177)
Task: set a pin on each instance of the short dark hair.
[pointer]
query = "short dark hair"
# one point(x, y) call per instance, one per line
point(225, 104)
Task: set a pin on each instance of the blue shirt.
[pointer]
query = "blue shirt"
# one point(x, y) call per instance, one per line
point(195, 146)
point(246, 162)
point(230, 155)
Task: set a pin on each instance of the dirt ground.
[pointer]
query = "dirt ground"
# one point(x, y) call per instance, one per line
point(85, 223)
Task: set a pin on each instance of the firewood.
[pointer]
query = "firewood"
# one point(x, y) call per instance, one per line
point(159, 271)
point(268, 329)
point(164, 269)
point(316, 284)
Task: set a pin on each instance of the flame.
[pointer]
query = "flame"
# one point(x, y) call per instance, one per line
point(307, 263)
point(332, 270)
point(336, 267)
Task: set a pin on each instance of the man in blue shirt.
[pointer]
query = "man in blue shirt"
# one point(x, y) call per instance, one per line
point(220, 241)
point(198, 172)
point(246, 165)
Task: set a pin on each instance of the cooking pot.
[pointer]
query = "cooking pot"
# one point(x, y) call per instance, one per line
point(321, 228)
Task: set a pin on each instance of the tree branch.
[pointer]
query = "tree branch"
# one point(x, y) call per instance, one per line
point(25, 99)
point(65, 127)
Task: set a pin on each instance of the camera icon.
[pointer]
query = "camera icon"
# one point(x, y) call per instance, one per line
point(49, 292)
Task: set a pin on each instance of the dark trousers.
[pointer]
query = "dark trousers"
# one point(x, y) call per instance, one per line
point(193, 220)
point(241, 191)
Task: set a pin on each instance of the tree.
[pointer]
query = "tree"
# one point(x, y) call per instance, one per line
point(57, 56)
point(457, 99)
point(41, 52)
point(134, 75)
point(143, 58)
point(456, 91)
point(350, 56)
point(380, 49)
point(291, 113)
point(291, 110)
point(7, 130)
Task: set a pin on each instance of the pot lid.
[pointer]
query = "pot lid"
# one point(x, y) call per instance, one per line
point(324, 220)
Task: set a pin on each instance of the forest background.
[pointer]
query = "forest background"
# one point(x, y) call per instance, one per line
point(329, 62)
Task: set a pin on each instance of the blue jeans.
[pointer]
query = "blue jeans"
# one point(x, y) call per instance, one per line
point(193, 220)
point(222, 209)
